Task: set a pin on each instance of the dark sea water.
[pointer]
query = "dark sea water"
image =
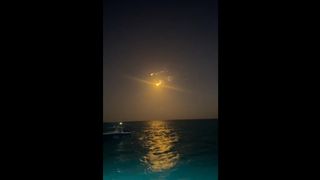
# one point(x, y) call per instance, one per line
point(177, 150)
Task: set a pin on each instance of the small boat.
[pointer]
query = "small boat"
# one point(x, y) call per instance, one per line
point(117, 132)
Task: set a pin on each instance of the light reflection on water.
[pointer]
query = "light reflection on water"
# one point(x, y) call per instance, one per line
point(163, 150)
point(159, 140)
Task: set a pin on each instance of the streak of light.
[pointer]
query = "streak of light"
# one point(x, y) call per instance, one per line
point(152, 83)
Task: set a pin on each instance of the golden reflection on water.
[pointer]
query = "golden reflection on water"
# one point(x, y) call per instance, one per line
point(159, 141)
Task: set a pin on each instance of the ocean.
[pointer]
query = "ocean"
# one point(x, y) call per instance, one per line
point(163, 150)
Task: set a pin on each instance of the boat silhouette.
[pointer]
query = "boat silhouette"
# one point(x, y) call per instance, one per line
point(117, 132)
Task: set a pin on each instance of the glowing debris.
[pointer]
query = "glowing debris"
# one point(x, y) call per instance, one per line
point(159, 83)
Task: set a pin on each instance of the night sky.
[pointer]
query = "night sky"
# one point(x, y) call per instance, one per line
point(160, 60)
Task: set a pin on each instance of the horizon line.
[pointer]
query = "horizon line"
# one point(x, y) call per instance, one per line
point(162, 120)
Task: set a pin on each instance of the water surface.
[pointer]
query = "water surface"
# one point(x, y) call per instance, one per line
point(181, 149)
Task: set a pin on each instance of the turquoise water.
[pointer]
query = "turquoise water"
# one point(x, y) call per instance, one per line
point(177, 150)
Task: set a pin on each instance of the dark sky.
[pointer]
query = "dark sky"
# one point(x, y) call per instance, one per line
point(176, 39)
